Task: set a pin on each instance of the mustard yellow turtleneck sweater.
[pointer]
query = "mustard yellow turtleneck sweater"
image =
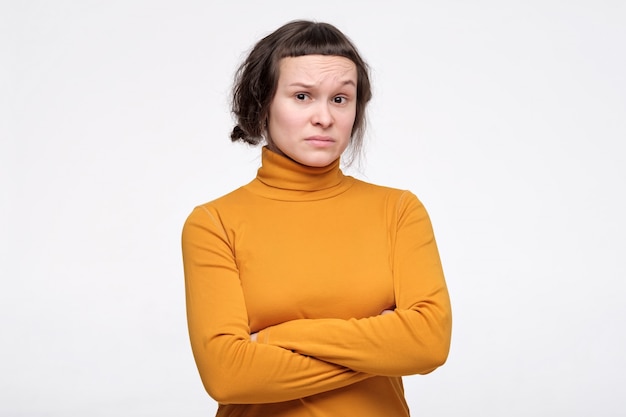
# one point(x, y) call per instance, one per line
point(309, 258)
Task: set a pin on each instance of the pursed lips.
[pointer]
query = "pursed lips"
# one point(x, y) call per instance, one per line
point(320, 139)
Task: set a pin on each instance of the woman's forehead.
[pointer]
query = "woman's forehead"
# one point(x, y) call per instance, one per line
point(314, 69)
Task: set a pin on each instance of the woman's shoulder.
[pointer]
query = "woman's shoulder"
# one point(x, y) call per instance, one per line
point(224, 203)
point(399, 199)
point(372, 188)
point(234, 197)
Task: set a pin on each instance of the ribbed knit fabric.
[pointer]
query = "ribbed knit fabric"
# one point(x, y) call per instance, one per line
point(309, 258)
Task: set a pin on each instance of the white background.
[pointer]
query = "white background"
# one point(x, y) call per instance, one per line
point(507, 119)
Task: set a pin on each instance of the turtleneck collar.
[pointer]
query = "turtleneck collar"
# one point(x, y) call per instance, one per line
point(281, 178)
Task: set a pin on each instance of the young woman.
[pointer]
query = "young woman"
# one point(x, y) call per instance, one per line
point(311, 293)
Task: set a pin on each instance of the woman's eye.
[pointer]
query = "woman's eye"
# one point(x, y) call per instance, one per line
point(340, 100)
point(301, 96)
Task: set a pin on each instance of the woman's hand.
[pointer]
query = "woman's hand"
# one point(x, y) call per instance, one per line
point(386, 312)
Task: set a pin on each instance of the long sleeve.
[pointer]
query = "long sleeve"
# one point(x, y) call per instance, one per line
point(232, 368)
point(414, 339)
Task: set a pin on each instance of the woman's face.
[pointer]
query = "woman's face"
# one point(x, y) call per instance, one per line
point(313, 111)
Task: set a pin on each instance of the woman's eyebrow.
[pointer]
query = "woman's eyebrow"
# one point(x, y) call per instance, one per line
point(305, 85)
point(301, 84)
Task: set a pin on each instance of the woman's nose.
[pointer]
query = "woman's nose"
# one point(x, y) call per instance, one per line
point(322, 115)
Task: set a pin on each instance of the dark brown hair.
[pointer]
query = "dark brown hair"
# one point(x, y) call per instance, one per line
point(257, 77)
